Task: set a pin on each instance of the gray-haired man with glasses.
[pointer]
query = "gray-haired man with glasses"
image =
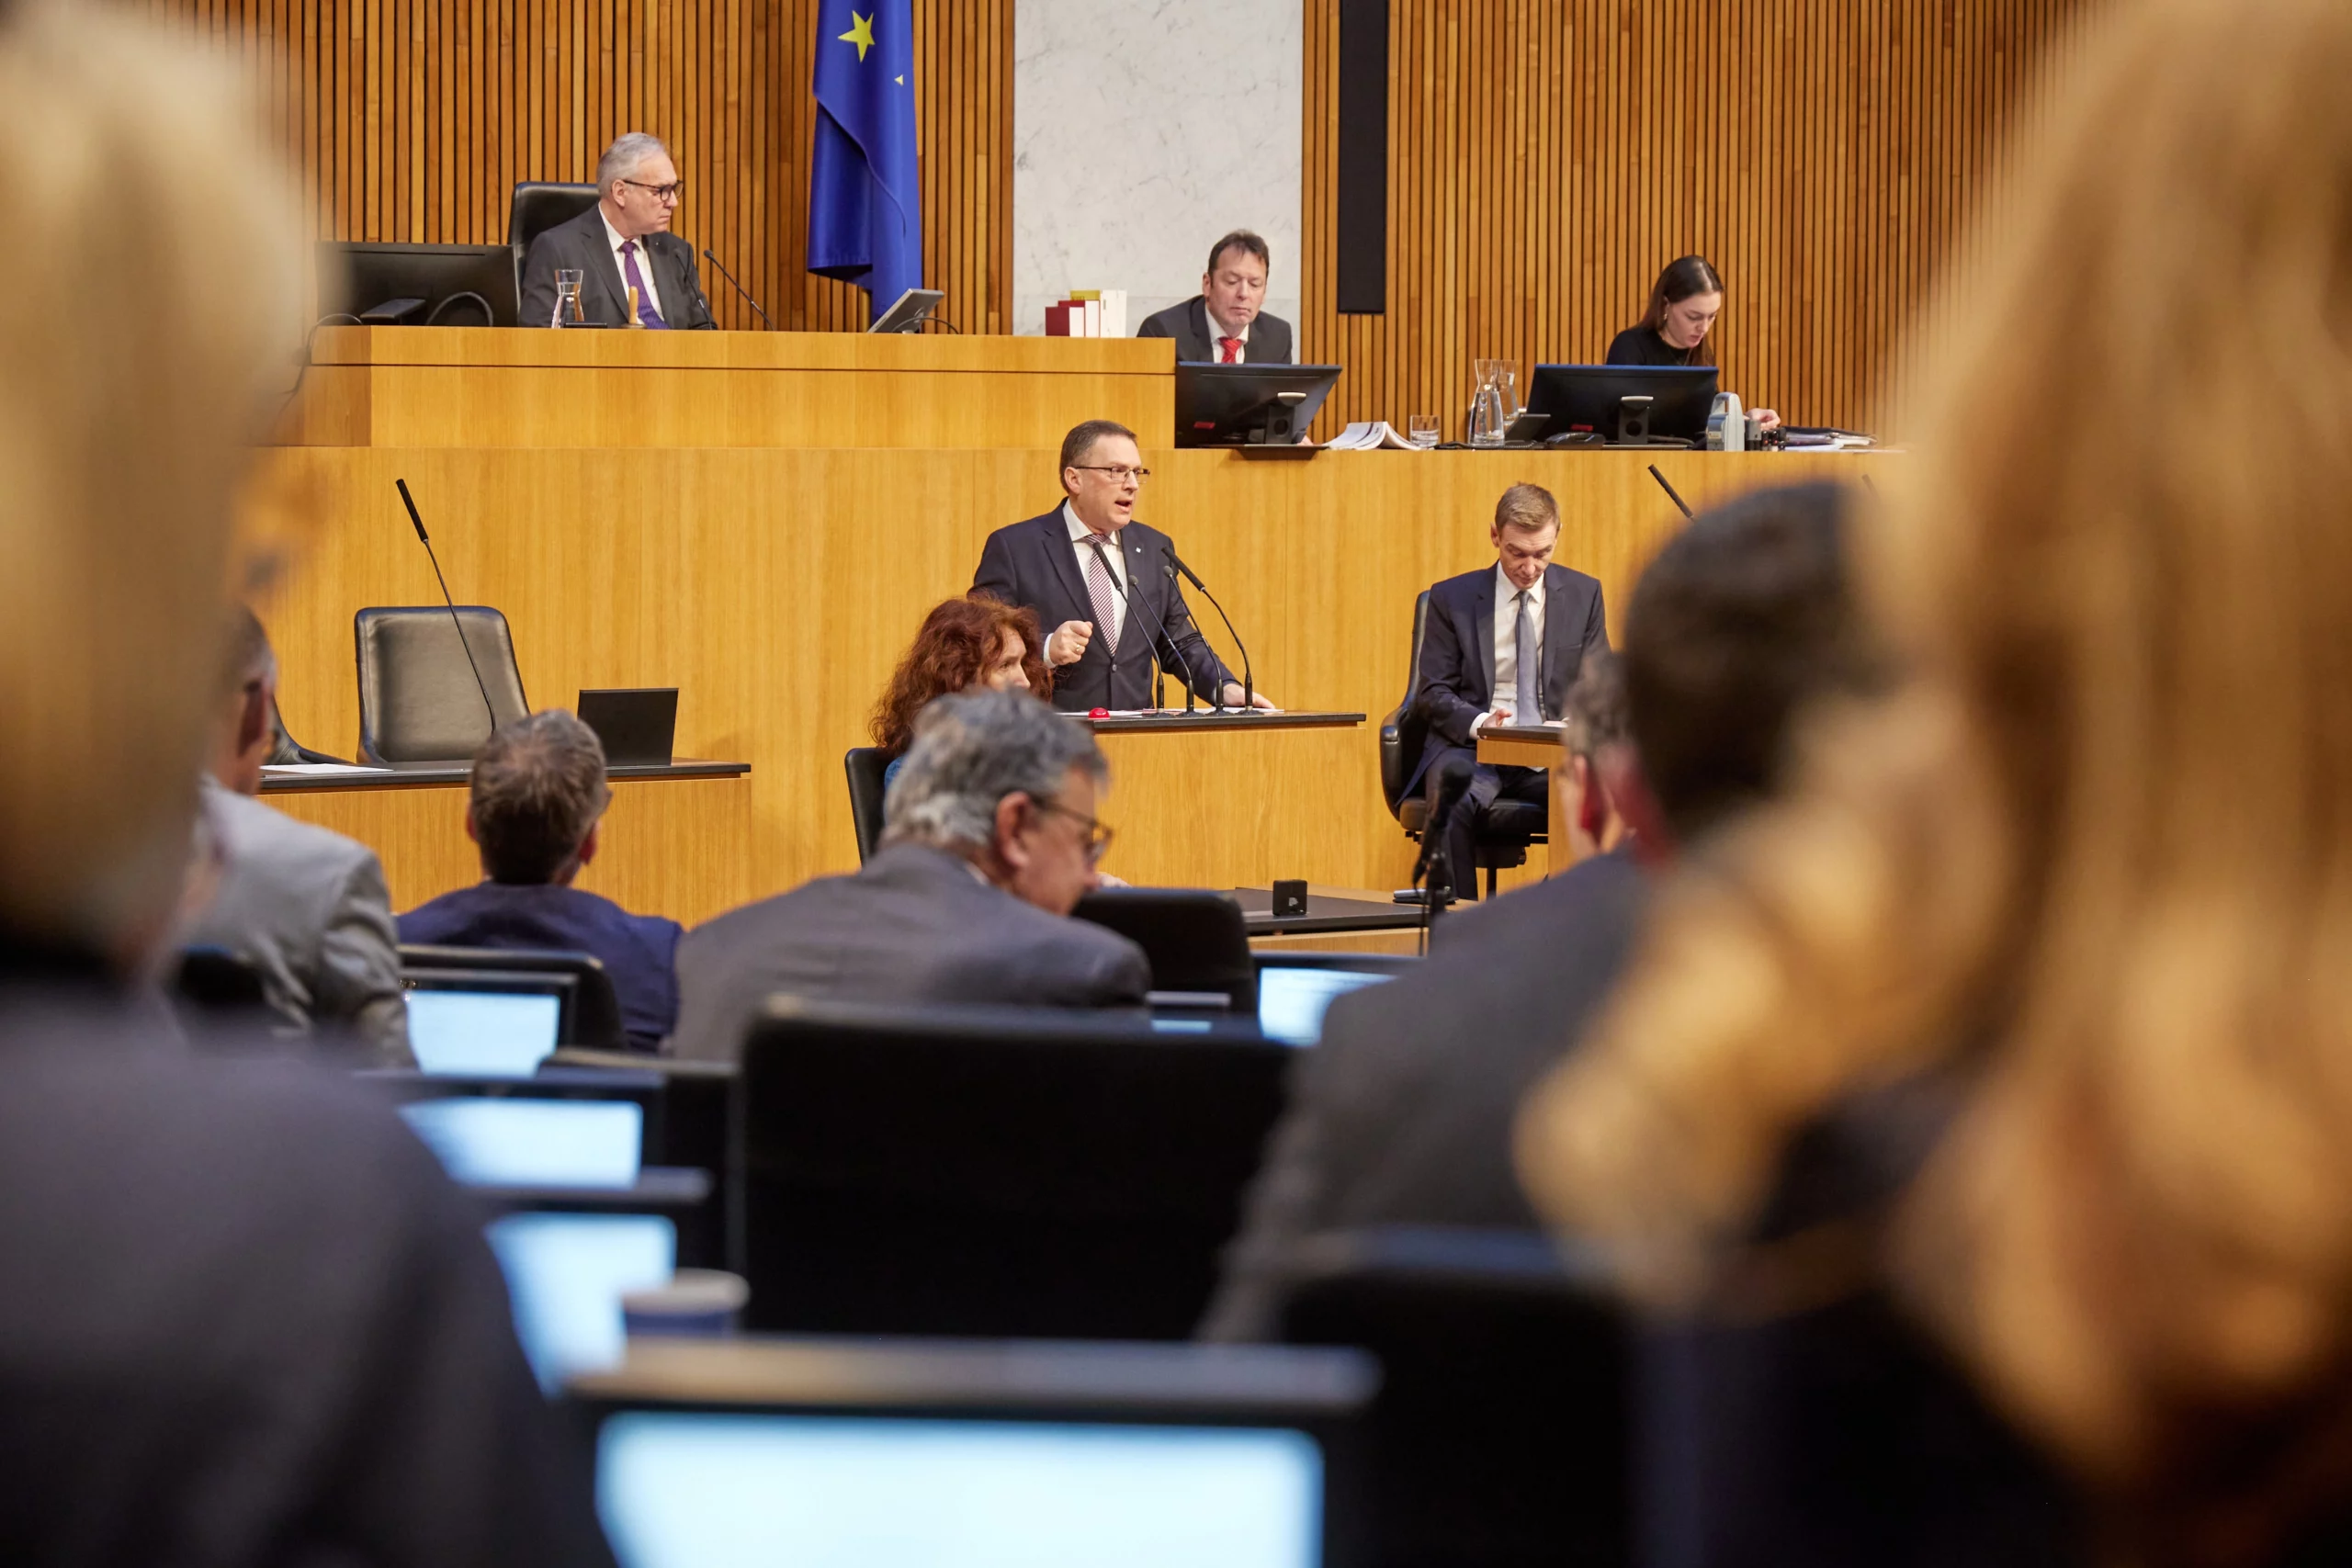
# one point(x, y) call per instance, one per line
point(992, 839)
point(632, 271)
point(1104, 584)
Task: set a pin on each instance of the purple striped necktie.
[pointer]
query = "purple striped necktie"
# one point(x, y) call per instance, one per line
point(645, 315)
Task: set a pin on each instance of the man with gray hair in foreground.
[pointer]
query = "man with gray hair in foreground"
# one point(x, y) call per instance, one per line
point(990, 840)
point(634, 272)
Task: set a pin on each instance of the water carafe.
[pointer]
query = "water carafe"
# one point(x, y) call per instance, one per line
point(1497, 401)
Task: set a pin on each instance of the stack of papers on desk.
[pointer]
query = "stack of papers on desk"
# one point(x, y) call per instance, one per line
point(1369, 435)
point(319, 771)
point(1815, 440)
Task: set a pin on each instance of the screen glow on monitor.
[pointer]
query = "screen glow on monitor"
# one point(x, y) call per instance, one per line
point(1292, 999)
point(730, 1490)
point(566, 1275)
point(482, 1033)
point(533, 1143)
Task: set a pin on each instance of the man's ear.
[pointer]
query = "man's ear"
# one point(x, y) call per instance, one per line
point(471, 832)
point(1012, 816)
point(1593, 800)
point(587, 845)
point(252, 721)
point(1629, 792)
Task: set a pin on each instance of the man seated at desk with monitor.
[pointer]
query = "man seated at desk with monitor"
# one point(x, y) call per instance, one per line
point(622, 248)
point(1105, 584)
point(1223, 324)
point(1503, 645)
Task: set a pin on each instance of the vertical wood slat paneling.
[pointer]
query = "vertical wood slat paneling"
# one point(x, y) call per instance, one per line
point(413, 119)
point(1547, 157)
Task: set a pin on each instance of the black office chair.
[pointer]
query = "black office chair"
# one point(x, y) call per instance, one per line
point(1499, 1437)
point(993, 1170)
point(419, 700)
point(866, 764)
point(593, 1018)
point(216, 983)
point(538, 207)
point(1509, 827)
point(1196, 939)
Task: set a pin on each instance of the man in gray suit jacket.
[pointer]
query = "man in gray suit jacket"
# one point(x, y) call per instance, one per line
point(305, 906)
point(990, 840)
point(622, 243)
point(1223, 324)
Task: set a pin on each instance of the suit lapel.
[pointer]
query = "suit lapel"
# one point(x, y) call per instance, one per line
point(606, 267)
point(1558, 612)
point(1053, 537)
point(1482, 626)
point(1198, 315)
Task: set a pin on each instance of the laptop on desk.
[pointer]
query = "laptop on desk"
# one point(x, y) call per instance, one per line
point(638, 725)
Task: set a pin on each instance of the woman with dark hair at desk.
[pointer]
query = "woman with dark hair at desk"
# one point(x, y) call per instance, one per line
point(964, 643)
point(1683, 305)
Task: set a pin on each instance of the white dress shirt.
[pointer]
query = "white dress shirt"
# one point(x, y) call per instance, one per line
point(1111, 552)
point(616, 239)
point(1504, 692)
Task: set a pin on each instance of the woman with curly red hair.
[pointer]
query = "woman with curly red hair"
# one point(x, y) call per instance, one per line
point(964, 643)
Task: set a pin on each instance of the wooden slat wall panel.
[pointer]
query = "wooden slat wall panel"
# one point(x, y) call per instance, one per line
point(412, 119)
point(1547, 157)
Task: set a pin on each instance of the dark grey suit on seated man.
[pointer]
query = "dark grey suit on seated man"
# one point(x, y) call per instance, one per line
point(990, 841)
point(1101, 581)
point(1223, 324)
point(620, 243)
point(1402, 1114)
point(1503, 645)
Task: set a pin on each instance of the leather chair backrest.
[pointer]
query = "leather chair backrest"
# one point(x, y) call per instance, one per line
point(865, 766)
point(1038, 1172)
point(539, 205)
point(1403, 733)
point(418, 700)
point(1196, 939)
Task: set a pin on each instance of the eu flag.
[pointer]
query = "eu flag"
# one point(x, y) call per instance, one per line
point(864, 202)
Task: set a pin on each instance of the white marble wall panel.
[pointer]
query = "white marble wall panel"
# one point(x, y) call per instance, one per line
point(1142, 130)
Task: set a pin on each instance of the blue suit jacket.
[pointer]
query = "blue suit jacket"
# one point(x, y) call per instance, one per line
point(1458, 652)
point(1031, 564)
point(639, 952)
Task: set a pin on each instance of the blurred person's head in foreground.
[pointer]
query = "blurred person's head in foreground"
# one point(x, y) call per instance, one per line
point(1593, 725)
point(1002, 781)
point(124, 431)
point(246, 730)
point(963, 643)
point(2094, 856)
point(537, 796)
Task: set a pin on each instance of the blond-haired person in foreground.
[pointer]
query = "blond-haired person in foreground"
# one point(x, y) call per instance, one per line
point(1985, 1112)
point(243, 1318)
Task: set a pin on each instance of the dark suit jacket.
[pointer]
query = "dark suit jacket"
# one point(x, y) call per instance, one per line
point(1402, 1114)
point(1458, 652)
point(1188, 324)
point(1032, 564)
point(639, 952)
point(914, 925)
point(580, 241)
point(244, 1318)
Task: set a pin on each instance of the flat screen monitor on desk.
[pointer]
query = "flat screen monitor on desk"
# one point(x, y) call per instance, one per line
point(1590, 398)
point(1249, 405)
point(566, 1275)
point(533, 1143)
point(393, 285)
point(484, 1024)
point(1293, 998)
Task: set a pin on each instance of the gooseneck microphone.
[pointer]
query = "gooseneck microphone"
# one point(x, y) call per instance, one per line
point(746, 293)
point(1249, 687)
point(488, 706)
point(1185, 664)
point(1669, 488)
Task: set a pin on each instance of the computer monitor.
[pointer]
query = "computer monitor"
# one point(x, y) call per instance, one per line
point(908, 311)
point(637, 724)
point(481, 1023)
point(387, 285)
point(1293, 998)
point(1589, 398)
point(512, 1142)
point(1248, 405)
point(566, 1275)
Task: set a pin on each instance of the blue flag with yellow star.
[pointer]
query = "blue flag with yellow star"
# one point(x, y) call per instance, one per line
point(865, 200)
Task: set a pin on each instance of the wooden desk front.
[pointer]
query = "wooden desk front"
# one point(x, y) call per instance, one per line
point(1533, 746)
point(777, 588)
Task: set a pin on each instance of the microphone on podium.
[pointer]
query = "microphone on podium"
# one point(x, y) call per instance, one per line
point(409, 502)
point(1120, 587)
point(746, 293)
point(1249, 687)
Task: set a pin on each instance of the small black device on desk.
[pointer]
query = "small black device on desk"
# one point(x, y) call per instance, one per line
point(638, 724)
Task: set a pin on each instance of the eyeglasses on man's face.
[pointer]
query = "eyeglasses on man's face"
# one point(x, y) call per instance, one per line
point(1119, 476)
point(1098, 836)
point(669, 192)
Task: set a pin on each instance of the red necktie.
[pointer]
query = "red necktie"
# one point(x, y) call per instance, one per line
point(1228, 351)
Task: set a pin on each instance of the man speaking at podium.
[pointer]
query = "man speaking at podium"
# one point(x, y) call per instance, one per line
point(1105, 583)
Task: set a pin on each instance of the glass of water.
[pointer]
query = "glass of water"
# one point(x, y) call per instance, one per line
point(1422, 430)
point(568, 280)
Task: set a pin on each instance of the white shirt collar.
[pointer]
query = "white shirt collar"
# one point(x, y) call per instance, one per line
point(1080, 533)
point(613, 238)
point(1217, 328)
point(1507, 591)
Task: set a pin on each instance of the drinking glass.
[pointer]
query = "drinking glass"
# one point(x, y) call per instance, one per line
point(568, 280)
point(1422, 430)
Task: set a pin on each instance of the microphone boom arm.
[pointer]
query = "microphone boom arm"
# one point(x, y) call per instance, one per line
point(1248, 686)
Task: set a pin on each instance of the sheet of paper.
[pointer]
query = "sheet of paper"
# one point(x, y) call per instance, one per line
point(319, 771)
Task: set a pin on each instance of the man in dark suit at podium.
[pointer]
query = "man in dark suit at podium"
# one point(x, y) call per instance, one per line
point(622, 243)
point(1503, 645)
point(1222, 324)
point(1102, 581)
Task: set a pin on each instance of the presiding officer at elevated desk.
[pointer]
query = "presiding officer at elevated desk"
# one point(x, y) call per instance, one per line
point(1684, 302)
point(622, 243)
point(1222, 324)
point(1503, 645)
point(1100, 579)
